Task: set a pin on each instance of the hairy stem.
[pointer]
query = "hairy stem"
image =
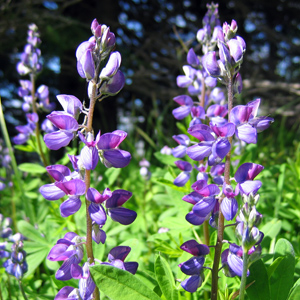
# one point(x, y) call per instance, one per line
point(218, 247)
point(87, 180)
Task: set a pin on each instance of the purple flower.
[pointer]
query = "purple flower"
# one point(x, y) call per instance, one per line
point(194, 265)
point(211, 65)
point(114, 85)
point(247, 124)
point(67, 126)
point(116, 258)
point(184, 176)
point(229, 205)
point(110, 155)
point(214, 149)
point(186, 103)
point(192, 58)
point(64, 185)
point(183, 141)
point(70, 250)
point(244, 177)
point(118, 213)
point(96, 210)
point(203, 199)
point(89, 154)
point(112, 66)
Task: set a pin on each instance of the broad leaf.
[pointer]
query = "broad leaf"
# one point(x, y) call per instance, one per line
point(295, 291)
point(118, 284)
point(260, 289)
point(281, 280)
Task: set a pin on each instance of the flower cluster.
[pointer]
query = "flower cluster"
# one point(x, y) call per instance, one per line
point(15, 263)
point(214, 128)
point(71, 185)
point(34, 100)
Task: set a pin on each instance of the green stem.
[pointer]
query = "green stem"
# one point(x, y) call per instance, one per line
point(19, 182)
point(37, 127)
point(244, 276)
point(218, 247)
point(22, 290)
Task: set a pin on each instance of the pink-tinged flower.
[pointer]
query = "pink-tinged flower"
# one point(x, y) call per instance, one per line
point(67, 126)
point(64, 185)
point(194, 265)
point(70, 104)
point(214, 149)
point(110, 155)
point(118, 213)
point(247, 124)
point(96, 210)
point(116, 258)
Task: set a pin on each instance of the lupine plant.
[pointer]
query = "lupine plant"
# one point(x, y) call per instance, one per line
point(200, 227)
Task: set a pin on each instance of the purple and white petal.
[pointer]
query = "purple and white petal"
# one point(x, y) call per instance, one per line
point(70, 206)
point(51, 192)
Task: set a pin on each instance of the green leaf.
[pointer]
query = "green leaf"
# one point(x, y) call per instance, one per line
point(165, 159)
point(164, 276)
point(112, 175)
point(32, 168)
point(295, 291)
point(171, 185)
point(281, 280)
point(35, 259)
point(260, 289)
point(25, 148)
point(118, 284)
point(31, 233)
point(274, 265)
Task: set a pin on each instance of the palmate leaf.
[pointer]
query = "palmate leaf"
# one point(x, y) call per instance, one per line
point(164, 276)
point(118, 284)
